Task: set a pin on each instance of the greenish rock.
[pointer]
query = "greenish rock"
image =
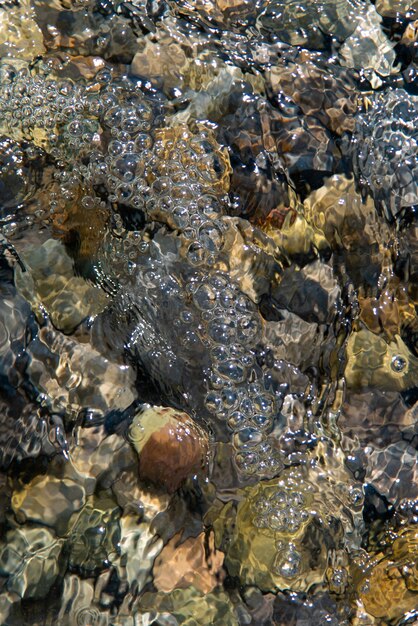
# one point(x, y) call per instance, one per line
point(95, 536)
point(289, 532)
point(49, 501)
point(374, 362)
point(49, 284)
point(29, 561)
point(191, 607)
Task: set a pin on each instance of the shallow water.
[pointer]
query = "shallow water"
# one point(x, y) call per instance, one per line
point(208, 315)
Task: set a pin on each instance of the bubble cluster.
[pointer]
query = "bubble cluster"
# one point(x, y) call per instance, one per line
point(50, 113)
point(16, 173)
point(127, 154)
point(108, 137)
point(154, 157)
point(385, 151)
point(179, 179)
point(238, 393)
point(118, 164)
point(188, 193)
point(188, 178)
point(98, 137)
point(285, 529)
point(74, 121)
point(283, 510)
point(203, 341)
point(217, 326)
point(306, 24)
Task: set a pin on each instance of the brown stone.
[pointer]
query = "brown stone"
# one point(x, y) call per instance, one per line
point(171, 447)
point(195, 562)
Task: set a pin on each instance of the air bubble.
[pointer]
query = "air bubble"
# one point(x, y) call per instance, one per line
point(216, 381)
point(232, 370)
point(211, 237)
point(220, 354)
point(287, 564)
point(124, 137)
point(227, 297)
point(247, 437)
point(125, 192)
point(296, 499)
point(75, 128)
point(235, 349)
point(236, 420)
point(213, 402)
point(398, 363)
point(113, 117)
point(263, 404)
point(276, 521)
point(261, 505)
point(205, 297)
point(218, 282)
point(131, 125)
point(247, 461)
point(248, 329)
point(88, 202)
point(196, 254)
point(247, 406)
point(222, 330)
point(260, 522)
point(262, 422)
point(230, 398)
point(143, 142)
point(115, 148)
point(279, 499)
point(125, 167)
point(248, 359)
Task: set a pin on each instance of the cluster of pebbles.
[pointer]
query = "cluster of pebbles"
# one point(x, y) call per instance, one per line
point(208, 317)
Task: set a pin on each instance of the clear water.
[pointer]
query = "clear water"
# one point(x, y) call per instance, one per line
point(208, 329)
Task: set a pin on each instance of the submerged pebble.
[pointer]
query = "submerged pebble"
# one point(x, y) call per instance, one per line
point(170, 446)
point(271, 542)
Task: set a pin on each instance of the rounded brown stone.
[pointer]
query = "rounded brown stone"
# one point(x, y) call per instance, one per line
point(170, 445)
